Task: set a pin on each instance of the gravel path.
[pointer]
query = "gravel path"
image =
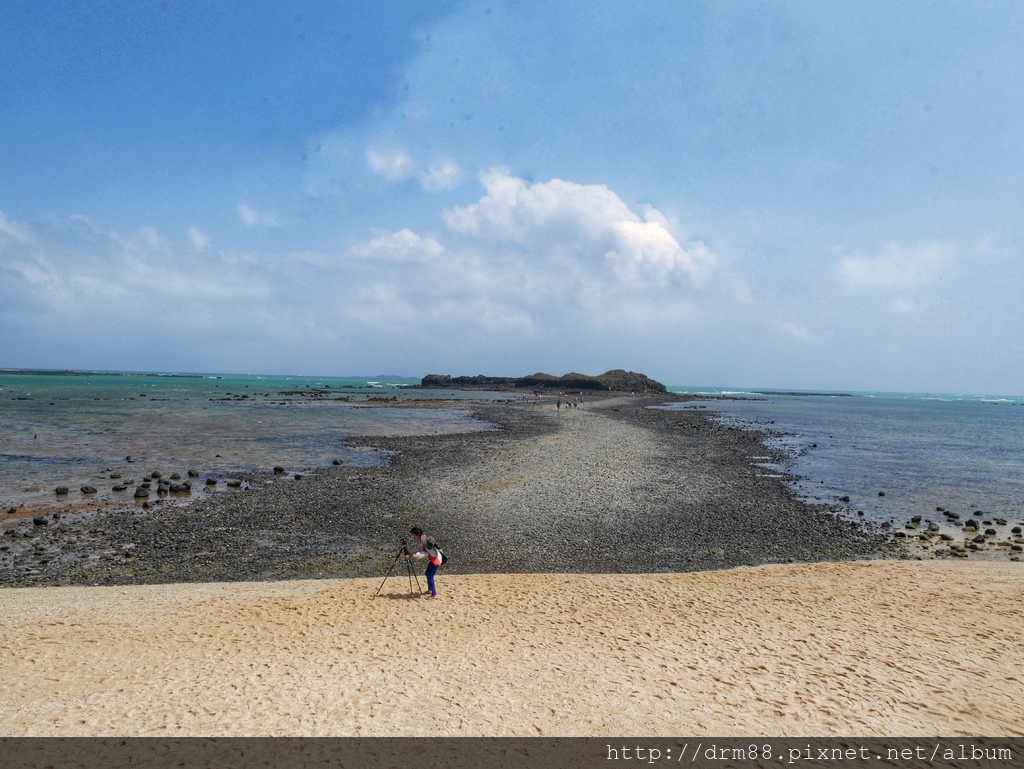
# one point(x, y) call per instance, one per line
point(613, 486)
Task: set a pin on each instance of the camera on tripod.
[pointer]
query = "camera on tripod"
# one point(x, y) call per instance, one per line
point(403, 552)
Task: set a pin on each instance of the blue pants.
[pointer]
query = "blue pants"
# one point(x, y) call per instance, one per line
point(431, 571)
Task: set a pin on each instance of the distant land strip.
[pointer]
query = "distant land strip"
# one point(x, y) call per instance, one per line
point(69, 372)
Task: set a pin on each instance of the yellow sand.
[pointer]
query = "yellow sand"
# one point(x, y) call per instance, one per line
point(879, 648)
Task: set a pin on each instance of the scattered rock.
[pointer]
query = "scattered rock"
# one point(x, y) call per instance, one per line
point(88, 489)
point(119, 487)
point(234, 483)
point(211, 481)
point(62, 490)
point(881, 493)
point(338, 462)
point(142, 492)
point(40, 520)
point(278, 470)
point(193, 473)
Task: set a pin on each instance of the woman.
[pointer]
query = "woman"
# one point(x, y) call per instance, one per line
point(428, 549)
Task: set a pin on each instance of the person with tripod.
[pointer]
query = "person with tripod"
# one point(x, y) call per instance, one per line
point(428, 549)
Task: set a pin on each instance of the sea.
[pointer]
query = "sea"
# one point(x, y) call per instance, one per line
point(77, 428)
point(888, 457)
point(885, 456)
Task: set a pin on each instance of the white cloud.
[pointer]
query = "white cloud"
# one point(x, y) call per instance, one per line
point(256, 219)
point(588, 222)
point(402, 246)
point(441, 176)
point(395, 165)
point(200, 240)
point(897, 266)
point(17, 232)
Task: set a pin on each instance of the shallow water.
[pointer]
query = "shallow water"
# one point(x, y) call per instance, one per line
point(71, 430)
point(962, 453)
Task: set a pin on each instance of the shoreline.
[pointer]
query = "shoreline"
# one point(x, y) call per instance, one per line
point(613, 486)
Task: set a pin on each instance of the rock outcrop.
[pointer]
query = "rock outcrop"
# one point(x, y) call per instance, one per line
point(615, 380)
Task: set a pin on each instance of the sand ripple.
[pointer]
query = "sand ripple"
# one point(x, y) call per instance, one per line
point(867, 648)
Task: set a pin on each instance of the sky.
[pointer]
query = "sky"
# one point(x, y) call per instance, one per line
point(813, 195)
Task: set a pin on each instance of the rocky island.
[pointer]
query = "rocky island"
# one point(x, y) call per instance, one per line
point(616, 380)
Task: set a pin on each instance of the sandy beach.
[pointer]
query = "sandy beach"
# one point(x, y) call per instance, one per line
point(879, 648)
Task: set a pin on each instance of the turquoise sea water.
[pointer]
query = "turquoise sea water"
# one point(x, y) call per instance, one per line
point(72, 430)
point(922, 450)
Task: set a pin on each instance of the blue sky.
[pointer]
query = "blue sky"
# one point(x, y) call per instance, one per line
point(796, 195)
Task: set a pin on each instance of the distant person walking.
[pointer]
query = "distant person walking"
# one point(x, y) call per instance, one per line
point(427, 549)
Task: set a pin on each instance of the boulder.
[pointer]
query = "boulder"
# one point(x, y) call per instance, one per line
point(88, 489)
point(62, 490)
point(142, 492)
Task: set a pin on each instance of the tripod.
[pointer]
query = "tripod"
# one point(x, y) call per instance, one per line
point(402, 552)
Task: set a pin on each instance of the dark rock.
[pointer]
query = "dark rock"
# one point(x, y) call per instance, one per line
point(1000, 521)
point(234, 483)
point(211, 481)
point(946, 537)
point(40, 520)
point(1017, 530)
point(336, 462)
point(115, 476)
point(933, 527)
point(979, 539)
point(916, 518)
point(193, 473)
point(616, 380)
point(278, 470)
point(298, 476)
point(62, 490)
point(881, 493)
point(88, 489)
point(844, 499)
point(970, 524)
point(119, 487)
point(990, 532)
point(156, 474)
point(141, 492)
point(175, 476)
